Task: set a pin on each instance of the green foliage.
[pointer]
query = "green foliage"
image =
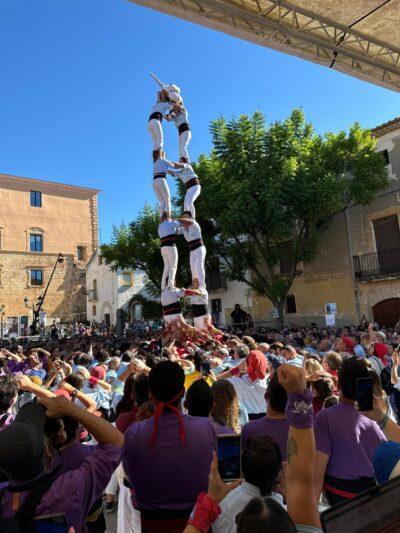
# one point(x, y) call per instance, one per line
point(263, 186)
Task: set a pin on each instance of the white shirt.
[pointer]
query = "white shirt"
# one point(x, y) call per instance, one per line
point(170, 296)
point(251, 393)
point(161, 107)
point(187, 173)
point(200, 299)
point(193, 232)
point(181, 118)
point(234, 503)
point(163, 166)
point(168, 227)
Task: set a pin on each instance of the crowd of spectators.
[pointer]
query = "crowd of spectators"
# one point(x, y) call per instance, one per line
point(94, 423)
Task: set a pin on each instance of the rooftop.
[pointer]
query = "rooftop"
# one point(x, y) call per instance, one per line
point(7, 180)
point(386, 127)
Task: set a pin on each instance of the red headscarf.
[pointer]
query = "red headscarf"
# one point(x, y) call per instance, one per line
point(381, 351)
point(98, 372)
point(160, 406)
point(256, 365)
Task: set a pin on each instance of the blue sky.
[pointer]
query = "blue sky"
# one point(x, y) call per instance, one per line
point(75, 93)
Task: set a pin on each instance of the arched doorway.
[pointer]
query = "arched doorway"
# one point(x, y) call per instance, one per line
point(387, 312)
point(136, 312)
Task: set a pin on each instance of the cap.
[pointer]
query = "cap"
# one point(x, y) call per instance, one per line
point(386, 461)
point(98, 372)
point(22, 444)
point(63, 392)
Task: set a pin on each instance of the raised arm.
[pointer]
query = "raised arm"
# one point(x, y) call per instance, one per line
point(380, 414)
point(27, 385)
point(300, 493)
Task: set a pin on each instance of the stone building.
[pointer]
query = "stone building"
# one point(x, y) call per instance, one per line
point(40, 219)
point(358, 262)
point(108, 290)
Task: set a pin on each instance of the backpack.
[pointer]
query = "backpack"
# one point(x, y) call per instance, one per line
point(22, 521)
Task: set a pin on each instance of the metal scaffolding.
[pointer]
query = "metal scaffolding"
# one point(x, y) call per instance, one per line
point(297, 31)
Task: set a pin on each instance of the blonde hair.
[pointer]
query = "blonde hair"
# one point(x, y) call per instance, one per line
point(312, 365)
point(226, 405)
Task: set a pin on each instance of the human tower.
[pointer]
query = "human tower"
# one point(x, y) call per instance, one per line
point(170, 106)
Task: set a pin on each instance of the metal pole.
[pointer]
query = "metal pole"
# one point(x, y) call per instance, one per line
point(39, 305)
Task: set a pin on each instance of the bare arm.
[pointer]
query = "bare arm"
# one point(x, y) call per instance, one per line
point(101, 430)
point(321, 463)
point(27, 385)
point(380, 415)
point(89, 403)
point(10, 355)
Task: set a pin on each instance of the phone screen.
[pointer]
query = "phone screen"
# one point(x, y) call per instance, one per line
point(206, 367)
point(365, 394)
point(51, 524)
point(229, 456)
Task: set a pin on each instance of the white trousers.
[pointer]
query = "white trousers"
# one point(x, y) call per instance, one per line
point(200, 322)
point(197, 261)
point(191, 194)
point(170, 257)
point(128, 518)
point(170, 318)
point(161, 189)
point(184, 140)
point(156, 133)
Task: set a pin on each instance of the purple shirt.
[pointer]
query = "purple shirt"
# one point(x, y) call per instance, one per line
point(170, 475)
point(74, 455)
point(277, 429)
point(74, 492)
point(349, 438)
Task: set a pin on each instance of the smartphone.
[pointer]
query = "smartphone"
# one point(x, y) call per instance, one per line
point(228, 452)
point(206, 368)
point(54, 523)
point(365, 394)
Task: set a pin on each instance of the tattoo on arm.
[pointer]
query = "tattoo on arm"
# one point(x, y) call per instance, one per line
point(292, 448)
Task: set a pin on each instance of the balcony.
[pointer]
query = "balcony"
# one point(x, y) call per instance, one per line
point(215, 281)
point(92, 295)
point(382, 264)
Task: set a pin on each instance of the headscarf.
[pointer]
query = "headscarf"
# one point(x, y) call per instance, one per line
point(381, 350)
point(98, 372)
point(160, 406)
point(256, 365)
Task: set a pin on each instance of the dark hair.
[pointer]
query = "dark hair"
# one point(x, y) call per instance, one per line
point(323, 387)
point(84, 360)
point(352, 369)
point(187, 213)
point(127, 401)
point(261, 463)
point(276, 395)
point(199, 399)
point(125, 346)
point(102, 356)
point(331, 401)
point(141, 389)
point(262, 515)
point(126, 357)
point(198, 358)
point(166, 381)
point(8, 391)
point(76, 380)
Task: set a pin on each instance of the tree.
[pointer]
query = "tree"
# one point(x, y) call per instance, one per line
point(150, 309)
point(270, 192)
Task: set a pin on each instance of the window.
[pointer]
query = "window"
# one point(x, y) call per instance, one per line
point(36, 277)
point(36, 199)
point(385, 155)
point(100, 260)
point(81, 253)
point(291, 304)
point(94, 310)
point(126, 279)
point(36, 243)
point(387, 233)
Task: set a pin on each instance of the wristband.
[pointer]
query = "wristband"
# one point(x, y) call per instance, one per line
point(384, 421)
point(93, 380)
point(205, 513)
point(299, 409)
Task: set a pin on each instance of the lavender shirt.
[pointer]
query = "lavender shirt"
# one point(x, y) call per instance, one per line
point(74, 455)
point(277, 429)
point(74, 492)
point(170, 475)
point(349, 438)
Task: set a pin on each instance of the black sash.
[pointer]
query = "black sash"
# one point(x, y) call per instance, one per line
point(198, 310)
point(193, 245)
point(183, 127)
point(338, 490)
point(161, 175)
point(192, 183)
point(168, 240)
point(157, 115)
point(172, 309)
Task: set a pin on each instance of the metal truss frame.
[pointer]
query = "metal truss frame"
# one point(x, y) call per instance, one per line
point(294, 30)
